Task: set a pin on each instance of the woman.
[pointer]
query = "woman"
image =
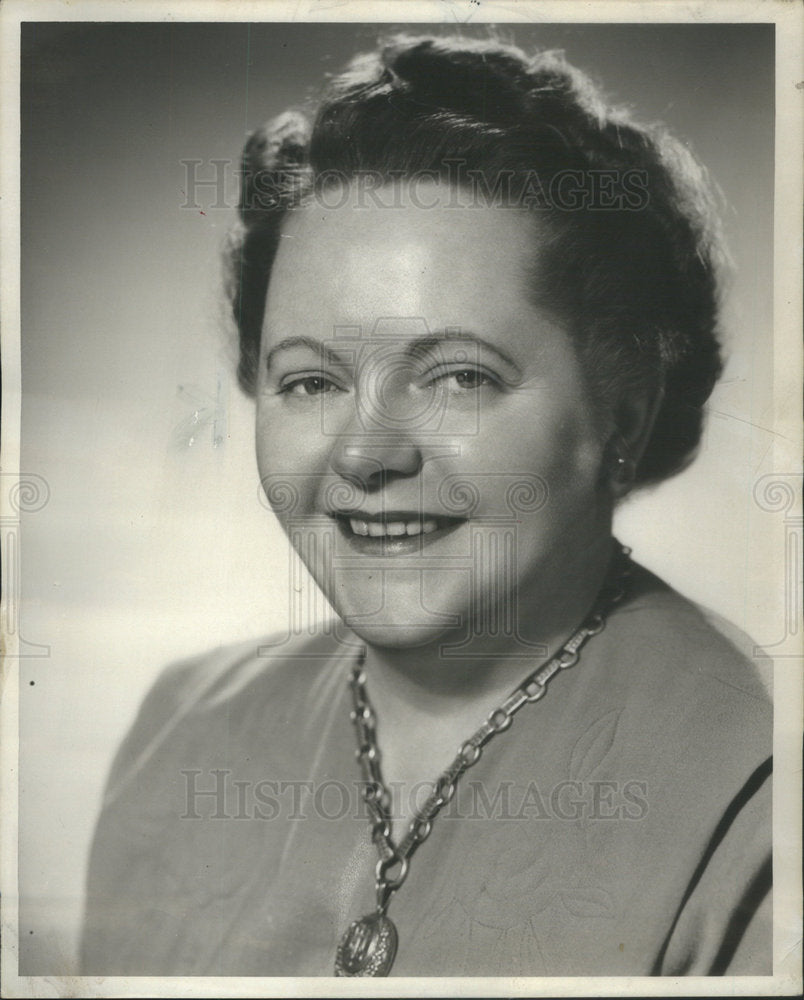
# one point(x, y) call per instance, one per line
point(476, 309)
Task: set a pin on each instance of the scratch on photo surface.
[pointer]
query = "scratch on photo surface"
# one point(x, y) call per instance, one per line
point(742, 420)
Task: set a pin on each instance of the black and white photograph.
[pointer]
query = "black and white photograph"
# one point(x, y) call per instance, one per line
point(401, 498)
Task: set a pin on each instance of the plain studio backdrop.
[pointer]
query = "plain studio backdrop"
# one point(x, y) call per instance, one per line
point(152, 541)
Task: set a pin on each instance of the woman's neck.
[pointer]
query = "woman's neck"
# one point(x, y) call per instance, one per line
point(451, 678)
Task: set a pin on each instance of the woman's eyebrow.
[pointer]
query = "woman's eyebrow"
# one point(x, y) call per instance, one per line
point(420, 345)
point(316, 346)
point(417, 346)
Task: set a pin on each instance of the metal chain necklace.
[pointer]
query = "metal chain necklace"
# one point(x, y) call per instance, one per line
point(368, 947)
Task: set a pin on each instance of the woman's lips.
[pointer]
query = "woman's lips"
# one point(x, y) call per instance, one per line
point(392, 532)
point(396, 528)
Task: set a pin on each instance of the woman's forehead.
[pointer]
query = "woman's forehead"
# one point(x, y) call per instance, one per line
point(431, 256)
point(416, 205)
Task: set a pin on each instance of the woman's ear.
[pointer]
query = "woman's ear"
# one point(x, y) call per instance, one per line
point(634, 422)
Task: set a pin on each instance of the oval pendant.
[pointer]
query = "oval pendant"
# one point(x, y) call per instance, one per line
point(367, 948)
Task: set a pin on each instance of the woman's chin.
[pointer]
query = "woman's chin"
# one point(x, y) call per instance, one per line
point(391, 635)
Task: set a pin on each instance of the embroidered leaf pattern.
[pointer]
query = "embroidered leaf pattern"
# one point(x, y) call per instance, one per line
point(593, 745)
point(583, 901)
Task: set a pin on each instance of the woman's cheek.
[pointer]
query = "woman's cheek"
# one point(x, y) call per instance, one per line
point(293, 466)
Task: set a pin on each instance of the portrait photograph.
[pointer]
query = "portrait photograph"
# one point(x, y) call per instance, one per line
point(401, 498)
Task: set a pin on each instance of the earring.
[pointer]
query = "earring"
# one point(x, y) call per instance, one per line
point(623, 472)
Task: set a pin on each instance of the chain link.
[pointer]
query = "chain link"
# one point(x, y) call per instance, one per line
point(375, 792)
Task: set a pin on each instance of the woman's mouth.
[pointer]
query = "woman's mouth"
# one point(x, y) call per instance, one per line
point(393, 532)
point(392, 529)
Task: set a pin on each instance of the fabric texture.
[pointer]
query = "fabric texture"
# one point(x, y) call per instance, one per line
point(621, 826)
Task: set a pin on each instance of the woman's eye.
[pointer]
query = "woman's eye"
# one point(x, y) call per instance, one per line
point(310, 385)
point(466, 378)
point(471, 379)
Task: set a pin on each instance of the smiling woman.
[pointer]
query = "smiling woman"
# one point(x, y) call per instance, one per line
point(477, 308)
point(401, 409)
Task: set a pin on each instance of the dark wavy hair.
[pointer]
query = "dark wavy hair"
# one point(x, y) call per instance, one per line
point(635, 280)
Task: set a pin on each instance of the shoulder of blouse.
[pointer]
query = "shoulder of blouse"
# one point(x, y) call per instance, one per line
point(207, 683)
point(691, 681)
point(676, 634)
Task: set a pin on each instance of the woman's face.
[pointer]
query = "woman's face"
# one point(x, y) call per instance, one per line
point(424, 431)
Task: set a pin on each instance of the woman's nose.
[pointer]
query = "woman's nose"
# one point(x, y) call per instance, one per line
point(369, 459)
point(374, 447)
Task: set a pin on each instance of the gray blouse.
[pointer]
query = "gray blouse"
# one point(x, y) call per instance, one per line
point(620, 827)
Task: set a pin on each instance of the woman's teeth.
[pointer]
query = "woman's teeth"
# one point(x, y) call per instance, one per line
point(376, 529)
